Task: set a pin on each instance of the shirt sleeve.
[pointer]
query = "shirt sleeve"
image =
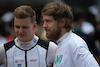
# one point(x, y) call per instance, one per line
point(82, 57)
point(2, 54)
point(51, 53)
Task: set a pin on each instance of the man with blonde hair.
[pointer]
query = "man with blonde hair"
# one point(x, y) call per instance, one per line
point(27, 50)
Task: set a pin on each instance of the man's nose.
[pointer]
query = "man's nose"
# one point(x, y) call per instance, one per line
point(44, 25)
point(20, 30)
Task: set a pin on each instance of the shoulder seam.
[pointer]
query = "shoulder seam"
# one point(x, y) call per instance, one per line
point(8, 45)
point(43, 43)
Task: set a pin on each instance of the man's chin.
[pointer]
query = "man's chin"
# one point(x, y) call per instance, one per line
point(49, 37)
point(21, 39)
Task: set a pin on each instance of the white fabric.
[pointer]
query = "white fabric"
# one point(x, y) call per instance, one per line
point(35, 54)
point(73, 52)
point(2, 41)
point(26, 45)
point(87, 27)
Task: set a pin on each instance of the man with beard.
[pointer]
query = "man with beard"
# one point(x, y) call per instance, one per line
point(72, 50)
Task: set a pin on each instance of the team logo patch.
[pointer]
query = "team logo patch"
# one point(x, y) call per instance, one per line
point(34, 40)
point(57, 62)
point(19, 65)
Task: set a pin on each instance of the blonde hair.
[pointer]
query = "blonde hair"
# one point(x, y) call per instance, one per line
point(25, 11)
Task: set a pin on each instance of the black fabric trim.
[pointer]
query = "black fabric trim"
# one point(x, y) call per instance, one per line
point(25, 50)
point(43, 43)
point(8, 45)
point(26, 58)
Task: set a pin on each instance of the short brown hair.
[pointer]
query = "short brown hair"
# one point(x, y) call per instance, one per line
point(59, 10)
point(25, 11)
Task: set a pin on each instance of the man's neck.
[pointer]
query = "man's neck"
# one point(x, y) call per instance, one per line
point(63, 36)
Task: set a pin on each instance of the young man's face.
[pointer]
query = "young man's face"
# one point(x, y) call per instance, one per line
point(51, 27)
point(24, 29)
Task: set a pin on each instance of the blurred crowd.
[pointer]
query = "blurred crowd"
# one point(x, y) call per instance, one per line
point(86, 25)
point(7, 27)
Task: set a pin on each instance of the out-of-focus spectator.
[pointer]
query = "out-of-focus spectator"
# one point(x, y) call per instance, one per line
point(7, 18)
point(87, 28)
point(94, 9)
point(9, 27)
point(97, 36)
point(2, 37)
point(12, 32)
point(6, 29)
point(91, 18)
point(2, 31)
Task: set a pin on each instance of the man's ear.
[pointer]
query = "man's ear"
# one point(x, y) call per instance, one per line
point(62, 22)
point(34, 25)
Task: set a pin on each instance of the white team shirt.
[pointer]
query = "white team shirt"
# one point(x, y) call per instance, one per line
point(27, 54)
point(72, 51)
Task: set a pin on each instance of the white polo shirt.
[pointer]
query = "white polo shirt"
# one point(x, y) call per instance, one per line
point(73, 52)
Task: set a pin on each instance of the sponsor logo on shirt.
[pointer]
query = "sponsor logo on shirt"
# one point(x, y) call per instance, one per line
point(57, 62)
point(19, 65)
point(34, 40)
point(33, 60)
point(19, 61)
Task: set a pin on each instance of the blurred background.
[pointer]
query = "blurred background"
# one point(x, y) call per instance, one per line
point(86, 20)
point(10, 5)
